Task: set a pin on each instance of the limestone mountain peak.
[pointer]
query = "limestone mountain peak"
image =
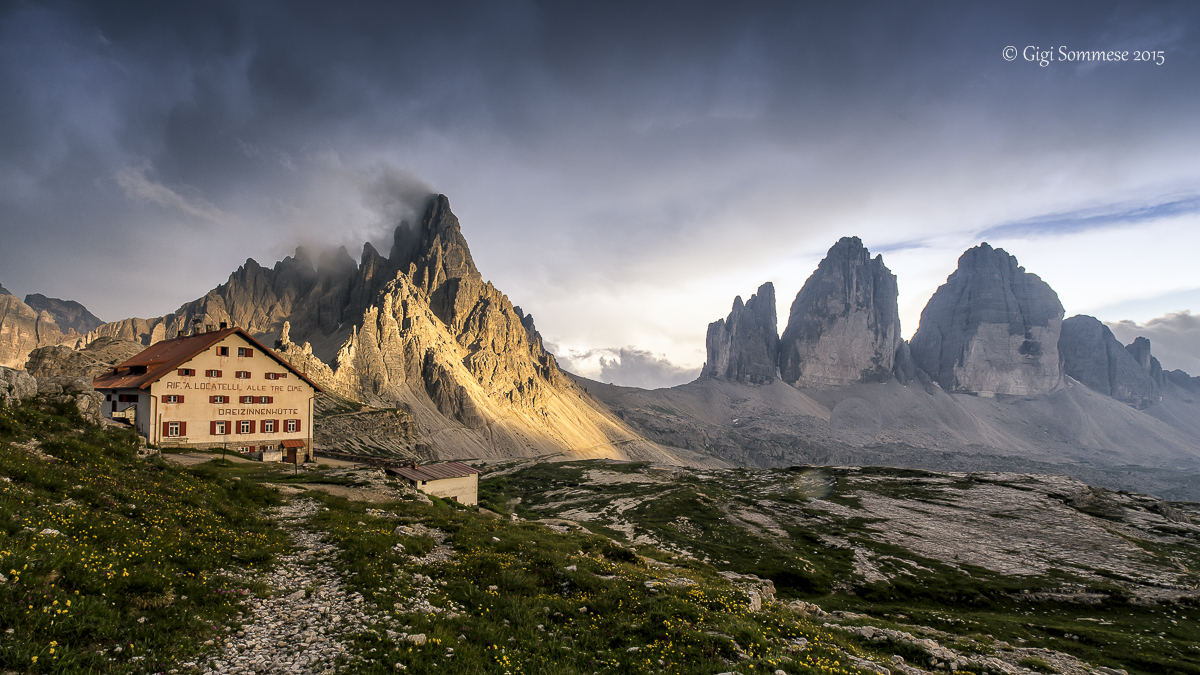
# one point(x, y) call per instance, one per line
point(68, 314)
point(420, 329)
point(992, 328)
point(844, 325)
point(745, 345)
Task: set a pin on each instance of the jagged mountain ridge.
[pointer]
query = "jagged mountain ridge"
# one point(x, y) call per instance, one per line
point(24, 329)
point(745, 345)
point(996, 399)
point(419, 329)
point(68, 314)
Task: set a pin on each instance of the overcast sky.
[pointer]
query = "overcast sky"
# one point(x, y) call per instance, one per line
point(621, 170)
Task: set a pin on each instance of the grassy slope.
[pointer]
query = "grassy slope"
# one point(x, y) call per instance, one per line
point(151, 564)
point(158, 561)
point(133, 577)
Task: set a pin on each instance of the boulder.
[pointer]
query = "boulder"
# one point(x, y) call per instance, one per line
point(992, 328)
point(844, 325)
point(88, 403)
point(64, 384)
point(1093, 355)
point(16, 386)
point(745, 346)
point(92, 361)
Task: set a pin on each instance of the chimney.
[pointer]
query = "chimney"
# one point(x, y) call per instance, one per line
point(224, 325)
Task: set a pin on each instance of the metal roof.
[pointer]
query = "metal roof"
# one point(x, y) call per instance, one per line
point(435, 471)
point(161, 358)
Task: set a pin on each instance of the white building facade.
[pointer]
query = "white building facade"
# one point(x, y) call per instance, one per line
point(217, 389)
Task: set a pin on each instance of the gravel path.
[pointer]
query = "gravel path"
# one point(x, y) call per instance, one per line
point(299, 630)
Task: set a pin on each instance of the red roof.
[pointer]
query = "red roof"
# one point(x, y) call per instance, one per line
point(293, 443)
point(435, 471)
point(161, 358)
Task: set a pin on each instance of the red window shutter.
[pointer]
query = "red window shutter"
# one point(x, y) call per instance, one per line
point(181, 371)
point(182, 425)
point(212, 399)
point(297, 426)
point(249, 353)
point(277, 428)
point(212, 428)
point(181, 398)
point(166, 429)
point(251, 426)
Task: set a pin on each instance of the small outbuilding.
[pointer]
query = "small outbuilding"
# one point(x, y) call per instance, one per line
point(450, 480)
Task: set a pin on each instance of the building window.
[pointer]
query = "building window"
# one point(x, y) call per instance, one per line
point(218, 399)
point(268, 426)
point(245, 352)
point(127, 398)
point(275, 376)
point(173, 398)
point(222, 351)
point(291, 426)
point(245, 399)
point(218, 427)
point(187, 372)
point(242, 374)
point(245, 426)
point(265, 399)
point(174, 429)
point(212, 373)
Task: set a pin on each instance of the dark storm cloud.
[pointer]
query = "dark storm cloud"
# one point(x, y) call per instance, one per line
point(583, 144)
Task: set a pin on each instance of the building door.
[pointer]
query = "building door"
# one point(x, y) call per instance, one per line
point(291, 455)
